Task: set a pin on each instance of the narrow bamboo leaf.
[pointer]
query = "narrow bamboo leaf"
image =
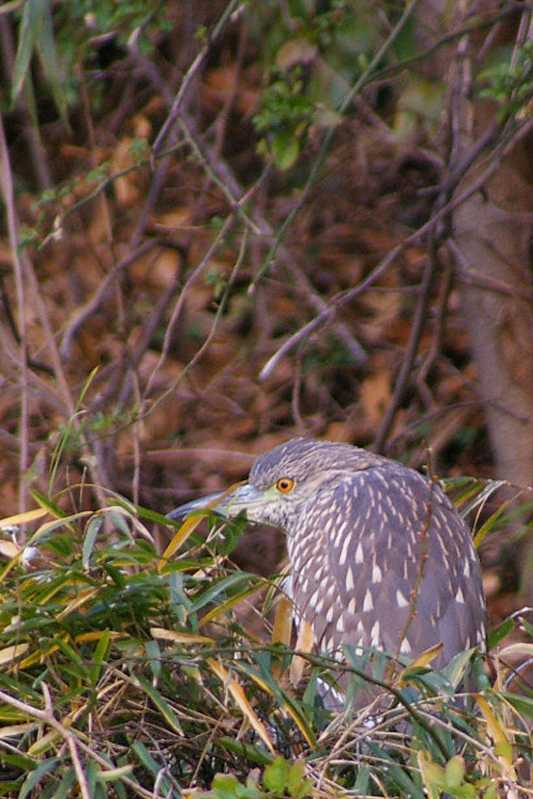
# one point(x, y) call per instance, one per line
point(81, 599)
point(244, 750)
point(219, 587)
point(43, 743)
point(488, 525)
point(23, 518)
point(187, 528)
point(29, 31)
point(100, 652)
point(153, 656)
point(14, 730)
point(267, 684)
point(35, 776)
point(161, 704)
point(94, 525)
point(498, 733)
point(454, 670)
point(483, 496)
point(48, 505)
point(282, 628)
point(305, 642)
point(240, 698)
point(46, 48)
point(179, 637)
point(65, 786)
point(524, 704)
point(20, 761)
point(154, 768)
point(500, 632)
point(11, 653)
point(114, 774)
point(49, 527)
point(228, 604)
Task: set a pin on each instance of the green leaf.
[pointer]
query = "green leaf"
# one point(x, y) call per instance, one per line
point(19, 760)
point(524, 704)
point(99, 654)
point(362, 782)
point(297, 785)
point(454, 671)
point(162, 705)
point(244, 750)
point(276, 776)
point(225, 786)
point(285, 149)
point(219, 587)
point(64, 788)
point(46, 49)
point(153, 654)
point(92, 529)
point(29, 30)
point(500, 632)
point(454, 772)
point(153, 767)
point(35, 776)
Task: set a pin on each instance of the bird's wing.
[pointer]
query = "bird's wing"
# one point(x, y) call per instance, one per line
point(405, 572)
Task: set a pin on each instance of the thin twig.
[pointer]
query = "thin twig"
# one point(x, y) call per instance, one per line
point(328, 137)
point(342, 299)
point(100, 294)
point(415, 335)
point(8, 191)
point(193, 69)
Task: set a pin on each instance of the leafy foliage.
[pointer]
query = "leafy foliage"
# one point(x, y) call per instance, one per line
point(509, 81)
point(136, 666)
point(127, 665)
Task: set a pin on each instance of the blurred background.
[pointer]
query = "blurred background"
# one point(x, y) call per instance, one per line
point(187, 185)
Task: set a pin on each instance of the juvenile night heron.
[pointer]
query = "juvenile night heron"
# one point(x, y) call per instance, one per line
point(379, 556)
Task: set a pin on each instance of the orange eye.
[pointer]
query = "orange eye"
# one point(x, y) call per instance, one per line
point(285, 485)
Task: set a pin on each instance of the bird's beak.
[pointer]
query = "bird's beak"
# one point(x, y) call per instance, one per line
point(229, 503)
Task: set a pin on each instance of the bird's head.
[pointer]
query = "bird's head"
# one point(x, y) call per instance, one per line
point(282, 481)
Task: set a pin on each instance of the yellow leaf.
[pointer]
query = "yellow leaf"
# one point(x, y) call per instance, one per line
point(11, 653)
point(291, 711)
point(9, 549)
point(15, 730)
point(187, 528)
point(241, 701)
point(432, 774)
point(23, 518)
point(43, 743)
point(95, 635)
point(80, 600)
point(306, 639)
point(427, 656)
point(498, 734)
point(282, 629)
point(59, 522)
point(190, 524)
point(421, 661)
point(38, 656)
point(180, 638)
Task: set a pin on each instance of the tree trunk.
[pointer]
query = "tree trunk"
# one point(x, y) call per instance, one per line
point(493, 248)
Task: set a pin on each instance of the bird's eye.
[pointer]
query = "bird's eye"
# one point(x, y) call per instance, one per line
point(285, 485)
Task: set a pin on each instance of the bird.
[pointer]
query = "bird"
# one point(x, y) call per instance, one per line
point(379, 557)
